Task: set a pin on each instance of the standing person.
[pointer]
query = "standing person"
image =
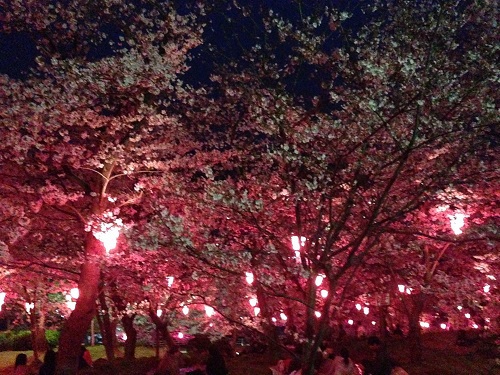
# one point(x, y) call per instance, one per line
point(343, 365)
point(216, 365)
point(49, 363)
point(378, 361)
point(21, 365)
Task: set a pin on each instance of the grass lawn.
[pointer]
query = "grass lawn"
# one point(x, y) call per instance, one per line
point(441, 357)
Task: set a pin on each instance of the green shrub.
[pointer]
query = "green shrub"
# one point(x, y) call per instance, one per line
point(52, 337)
point(21, 340)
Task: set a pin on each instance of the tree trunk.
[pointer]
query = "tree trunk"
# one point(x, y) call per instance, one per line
point(267, 325)
point(131, 332)
point(414, 333)
point(38, 339)
point(108, 332)
point(78, 323)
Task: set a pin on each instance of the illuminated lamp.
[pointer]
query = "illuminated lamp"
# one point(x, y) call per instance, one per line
point(256, 310)
point(249, 277)
point(209, 310)
point(74, 293)
point(253, 302)
point(324, 293)
point(185, 310)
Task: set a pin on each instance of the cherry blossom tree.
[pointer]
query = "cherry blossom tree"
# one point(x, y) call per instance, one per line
point(88, 129)
point(397, 110)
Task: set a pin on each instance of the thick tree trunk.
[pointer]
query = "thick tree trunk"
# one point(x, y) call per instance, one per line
point(78, 323)
point(130, 343)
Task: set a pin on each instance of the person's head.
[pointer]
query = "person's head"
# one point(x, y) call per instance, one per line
point(50, 357)
point(173, 350)
point(344, 353)
point(374, 342)
point(21, 359)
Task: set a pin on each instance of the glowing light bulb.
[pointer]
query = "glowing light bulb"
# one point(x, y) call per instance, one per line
point(2, 299)
point(74, 293)
point(459, 307)
point(29, 306)
point(170, 281)
point(159, 312)
point(401, 288)
point(324, 293)
point(318, 314)
point(358, 306)
point(457, 221)
point(319, 280)
point(180, 335)
point(486, 288)
point(256, 310)
point(467, 315)
point(366, 310)
point(249, 277)
point(350, 322)
point(209, 310)
point(185, 310)
point(443, 325)
point(283, 316)
point(373, 322)
point(253, 302)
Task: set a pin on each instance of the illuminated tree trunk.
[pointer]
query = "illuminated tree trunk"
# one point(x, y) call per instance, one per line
point(78, 323)
point(38, 339)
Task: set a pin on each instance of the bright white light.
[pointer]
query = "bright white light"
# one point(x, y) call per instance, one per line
point(459, 308)
point(457, 222)
point(2, 299)
point(486, 288)
point(358, 306)
point(401, 288)
point(374, 322)
point(318, 314)
point(74, 293)
point(253, 302)
point(274, 319)
point(296, 244)
point(185, 310)
point(491, 277)
point(443, 325)
point(366, 310)
point(170, 281)
point(467, 315)
point(283, 316)
point(475, 326)
point(408, 290)
point(424, 324)
point(249, 277)
point(159, 312)
point(29, 306)
point(324, 293)
point(256, 311)
point(209, 310)
point(180, 335)
point(68, 297)
point(108, 236)
point(319, 280)
point(71, 305)
point(350, 322)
